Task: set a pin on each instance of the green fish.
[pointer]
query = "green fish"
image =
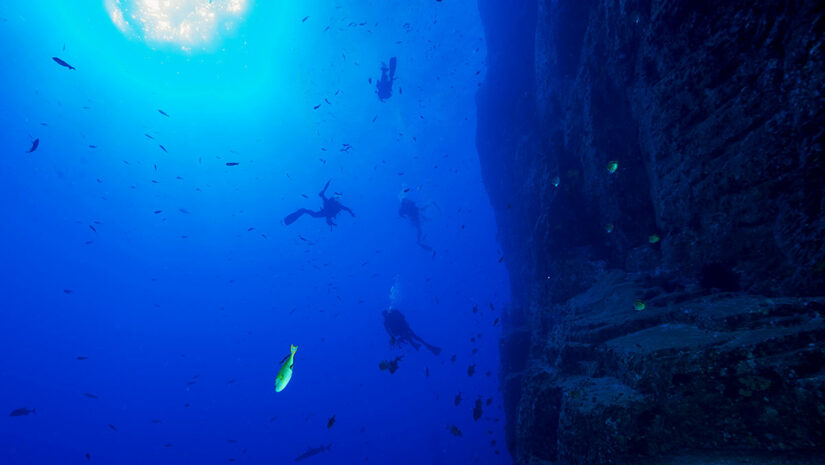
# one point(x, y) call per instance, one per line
point(612, 166)
point(608, 228)
point(653, 238)
point(285, 373)
point(639, 305)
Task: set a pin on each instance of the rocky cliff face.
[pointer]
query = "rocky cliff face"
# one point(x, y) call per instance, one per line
point(673, 302)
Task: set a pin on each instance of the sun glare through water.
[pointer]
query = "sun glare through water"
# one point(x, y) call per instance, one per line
point(183, 23)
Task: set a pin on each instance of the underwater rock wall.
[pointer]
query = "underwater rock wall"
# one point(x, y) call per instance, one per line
point(676, 302)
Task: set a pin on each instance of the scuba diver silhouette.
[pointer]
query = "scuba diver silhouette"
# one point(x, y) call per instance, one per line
point(329, 210)
point(384, 85)
point(415, 213)
point(400, 332)
point(412, 212)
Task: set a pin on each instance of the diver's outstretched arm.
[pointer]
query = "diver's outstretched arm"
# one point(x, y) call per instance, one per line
point(324, 190)
point(347, 209)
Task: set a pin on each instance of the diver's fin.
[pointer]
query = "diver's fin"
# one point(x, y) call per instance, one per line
point(293, 216)
point(435, 350)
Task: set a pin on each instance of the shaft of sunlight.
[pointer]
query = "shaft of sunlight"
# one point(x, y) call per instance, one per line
point(182, 23)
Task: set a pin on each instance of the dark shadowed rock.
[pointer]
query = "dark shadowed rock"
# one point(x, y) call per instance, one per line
point(713, 111)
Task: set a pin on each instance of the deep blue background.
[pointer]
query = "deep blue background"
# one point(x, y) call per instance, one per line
point(157, 299)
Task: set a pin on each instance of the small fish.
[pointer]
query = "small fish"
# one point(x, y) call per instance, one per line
point(35, 144)
point(82, 357)
point(63, 63)
point(67, 291)
point(232, 163)
point(331, 422)
point(20, 412)
point(608, 228)
point(471, 369)
point(639, 305)
point(556, 181)
point(184, 211)
point(653, 238)
point(157, 212)
point(147, 135)
point(163, 148)
point(88, 456)
point(112, 427)
point(168, 445)
point(163, 113)
point(305, 18)
point(312, 451)
point(454, 430)
point(250, 229)
point(93, 146)
point(612, 166)
point(90, 395)
point(285, 373)
point(477, 409)
point(92, 228)
point(457, 399)
point(156, 421)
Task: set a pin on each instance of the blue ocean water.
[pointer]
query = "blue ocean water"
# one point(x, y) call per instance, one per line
point(150, 287)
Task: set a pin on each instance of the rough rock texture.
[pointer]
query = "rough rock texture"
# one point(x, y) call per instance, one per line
point(714, 219)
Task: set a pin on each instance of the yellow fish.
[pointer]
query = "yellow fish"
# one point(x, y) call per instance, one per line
point(285, 373)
